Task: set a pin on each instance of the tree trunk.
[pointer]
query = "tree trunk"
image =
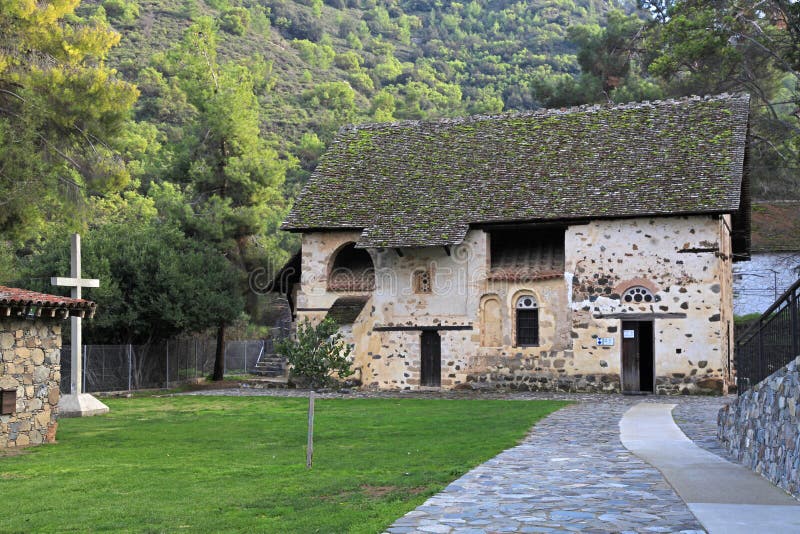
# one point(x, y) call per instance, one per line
point(219, 359)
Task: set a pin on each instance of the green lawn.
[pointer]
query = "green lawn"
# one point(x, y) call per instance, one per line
point(238, 464)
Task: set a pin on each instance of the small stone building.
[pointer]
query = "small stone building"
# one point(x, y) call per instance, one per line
point(30, 373)
point(586, 249)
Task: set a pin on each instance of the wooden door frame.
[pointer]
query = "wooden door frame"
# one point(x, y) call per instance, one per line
point(435, 370)
point(652, 355)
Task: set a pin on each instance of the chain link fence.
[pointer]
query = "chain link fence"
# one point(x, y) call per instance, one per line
point(158, 365)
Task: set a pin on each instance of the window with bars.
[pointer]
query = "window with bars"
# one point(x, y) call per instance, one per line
point(527, 311)
point(422, 281)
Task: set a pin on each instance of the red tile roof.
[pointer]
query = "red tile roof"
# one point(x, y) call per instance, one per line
point(15, 301)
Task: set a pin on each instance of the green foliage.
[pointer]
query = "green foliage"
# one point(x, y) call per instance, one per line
point(155, 282)
point(317, 55)
point(123, 11)
point(317, 353)
point(350, 61)
point(235, 20)
point(62, 112)
point(231, 172)
point(697, 47)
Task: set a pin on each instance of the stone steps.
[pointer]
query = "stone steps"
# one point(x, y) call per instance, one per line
point(272, 366)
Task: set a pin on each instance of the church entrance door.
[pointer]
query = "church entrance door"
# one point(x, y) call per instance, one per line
point(431, 359)
point(638, 357)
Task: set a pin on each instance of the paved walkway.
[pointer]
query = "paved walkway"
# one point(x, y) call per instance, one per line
point(724, 496)
point(571, 474)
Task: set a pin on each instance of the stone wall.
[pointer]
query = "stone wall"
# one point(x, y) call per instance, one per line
point(29, 363)
point(692, 309)
point(684, 261)
point(761, 429)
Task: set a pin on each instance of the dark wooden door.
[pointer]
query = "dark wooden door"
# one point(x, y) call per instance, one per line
point(431, 359)
point(638, 363)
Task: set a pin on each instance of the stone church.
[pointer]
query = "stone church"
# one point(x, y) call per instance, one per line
point(582, 249)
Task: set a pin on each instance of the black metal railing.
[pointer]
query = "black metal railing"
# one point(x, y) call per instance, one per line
point(771, 342)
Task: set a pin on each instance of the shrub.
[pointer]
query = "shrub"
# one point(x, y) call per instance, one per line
point(235, 20)
point(122, 11)
point(317, 353)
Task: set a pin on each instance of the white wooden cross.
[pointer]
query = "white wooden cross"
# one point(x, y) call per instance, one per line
point(76, 283)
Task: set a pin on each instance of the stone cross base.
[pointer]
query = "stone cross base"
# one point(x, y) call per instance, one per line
point(81, 405)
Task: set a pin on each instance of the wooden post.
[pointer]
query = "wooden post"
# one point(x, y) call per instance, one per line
point(310, 445)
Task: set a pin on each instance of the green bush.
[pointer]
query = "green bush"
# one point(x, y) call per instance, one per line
point(235, 20)
point(317, 353)
point(124, 11)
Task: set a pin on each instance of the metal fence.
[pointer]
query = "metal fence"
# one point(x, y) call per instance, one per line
point(158, 365)
point(772, 342)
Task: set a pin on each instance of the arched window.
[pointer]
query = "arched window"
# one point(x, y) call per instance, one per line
point(527, 315)
point(637, 295)
point(352, 270)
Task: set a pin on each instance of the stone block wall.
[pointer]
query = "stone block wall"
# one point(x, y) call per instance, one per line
point(29, 363)
point(761, 429)
point(692, 305)
point(684, 261)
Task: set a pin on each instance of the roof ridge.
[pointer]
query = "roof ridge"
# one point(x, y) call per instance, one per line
point(548, 112)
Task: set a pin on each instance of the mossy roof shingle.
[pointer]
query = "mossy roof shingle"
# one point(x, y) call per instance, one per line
point(412, 184)
point(776, 226)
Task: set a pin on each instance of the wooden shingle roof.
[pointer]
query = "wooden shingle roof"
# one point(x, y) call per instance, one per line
point(415, 184)
point(345, 310)
point(776, 226)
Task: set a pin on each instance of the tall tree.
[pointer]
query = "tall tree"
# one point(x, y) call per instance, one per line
point(609, 58)
point(701, 47)
point(230, 174)
point(61, 113)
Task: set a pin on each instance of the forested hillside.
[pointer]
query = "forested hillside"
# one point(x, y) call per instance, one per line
point(320, 65)
point(174, 134)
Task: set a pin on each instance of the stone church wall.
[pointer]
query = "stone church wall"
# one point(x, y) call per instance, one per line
point(29, 364)
point(684, 261)
point(693, 304)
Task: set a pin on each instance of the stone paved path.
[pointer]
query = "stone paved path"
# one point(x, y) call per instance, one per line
point(570, 474)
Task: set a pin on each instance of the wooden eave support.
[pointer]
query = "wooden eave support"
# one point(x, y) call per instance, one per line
point(399, 252)
point(698, 250)
point(447, 249)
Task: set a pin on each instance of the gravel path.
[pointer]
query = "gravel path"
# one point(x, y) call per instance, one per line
point(570, 474)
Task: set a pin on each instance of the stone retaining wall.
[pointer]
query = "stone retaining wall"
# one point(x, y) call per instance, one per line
point(29, 363)
point(761, 429)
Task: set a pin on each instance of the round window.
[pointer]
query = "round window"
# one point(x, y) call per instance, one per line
point(637, 295)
